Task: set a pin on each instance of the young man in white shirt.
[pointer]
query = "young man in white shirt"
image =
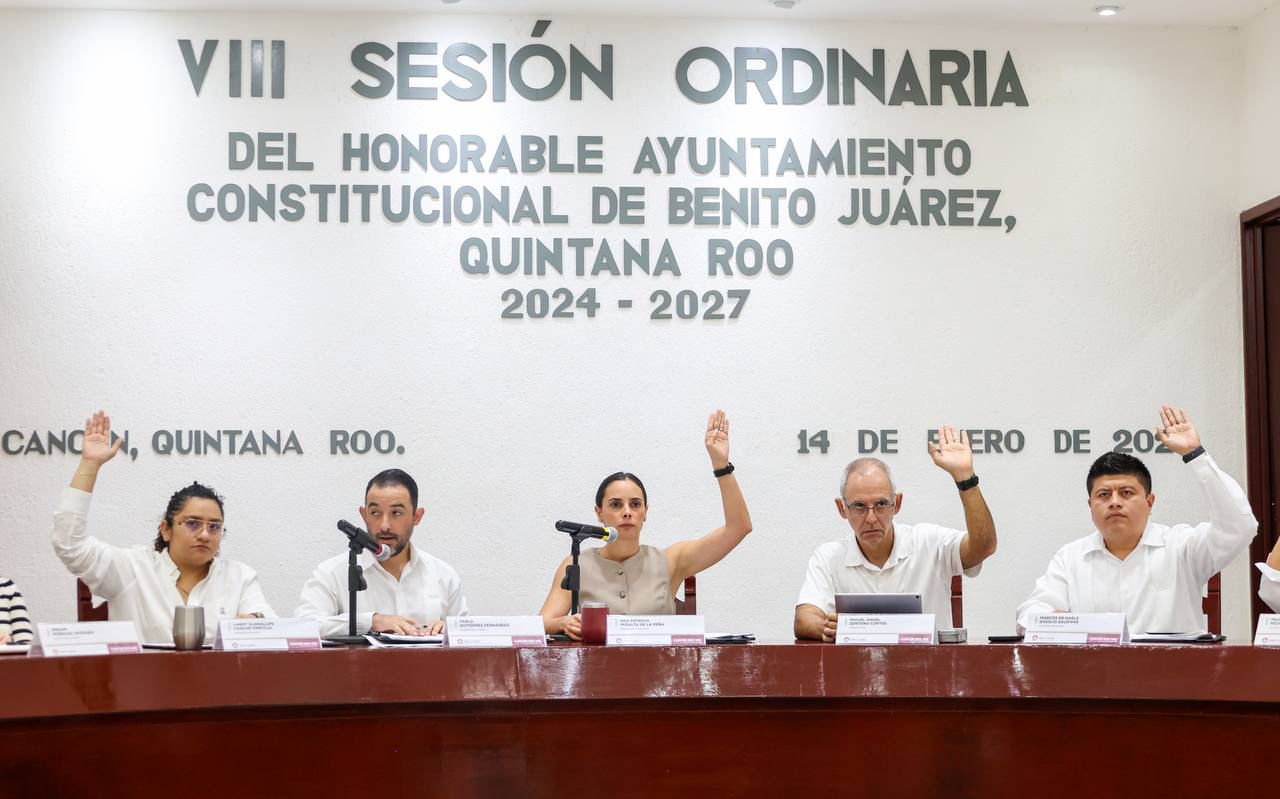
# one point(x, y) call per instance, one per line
point(410, 593)
point(1152, 573)
point(883, 557)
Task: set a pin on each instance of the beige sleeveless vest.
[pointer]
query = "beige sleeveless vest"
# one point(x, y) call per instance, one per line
point(640, 584)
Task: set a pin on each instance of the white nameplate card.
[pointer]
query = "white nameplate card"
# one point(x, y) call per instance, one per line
point(1268, 630)
point(1077, 628)
point(88, 638)
point(625, 630)
point(491, 631)
point(884, 628)
point(278, 635)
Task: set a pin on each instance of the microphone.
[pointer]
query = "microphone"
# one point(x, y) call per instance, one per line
point(380, 551)
point(576, 530)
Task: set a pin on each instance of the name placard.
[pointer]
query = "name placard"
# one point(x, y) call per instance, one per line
point(885, 628)
point(1268, 630)
point(491, 631)
point(87, 638)
point(270, 635)
point(625, 630)
point(1077, 628)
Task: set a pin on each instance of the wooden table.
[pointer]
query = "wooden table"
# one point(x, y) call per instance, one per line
point(786, 720)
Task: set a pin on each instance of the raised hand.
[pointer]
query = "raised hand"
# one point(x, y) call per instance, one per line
point(952, 453)
point(1176, 431)
point(717, 439)
point(97, 446)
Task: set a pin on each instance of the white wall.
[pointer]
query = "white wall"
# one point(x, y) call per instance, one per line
point(1117, 290)
point(1260, 109)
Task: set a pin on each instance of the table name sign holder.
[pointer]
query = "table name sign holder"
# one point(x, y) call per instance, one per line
point(885, 629)
point(268, 635)
point(1077, 628)
point(85, 638)
point(640, 630)
point(494, 631)
point(1268, 633)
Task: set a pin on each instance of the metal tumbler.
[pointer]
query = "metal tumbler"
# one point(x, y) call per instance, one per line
point(188, 627)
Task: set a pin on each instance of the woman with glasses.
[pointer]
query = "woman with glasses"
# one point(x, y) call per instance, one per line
point(631, 577)
point(183, 566)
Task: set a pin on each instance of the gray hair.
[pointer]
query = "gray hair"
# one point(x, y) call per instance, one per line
point(862, 465)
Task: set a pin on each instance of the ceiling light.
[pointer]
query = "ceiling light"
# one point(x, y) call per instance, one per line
point(1107, 11)
point(783, 3)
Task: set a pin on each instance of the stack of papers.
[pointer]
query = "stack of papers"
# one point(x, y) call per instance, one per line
point(730, 638)
point(171, 647)
point(381, 640)
point(1200, 637)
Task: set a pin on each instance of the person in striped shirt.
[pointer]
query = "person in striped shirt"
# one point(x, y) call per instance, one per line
point(15, 622)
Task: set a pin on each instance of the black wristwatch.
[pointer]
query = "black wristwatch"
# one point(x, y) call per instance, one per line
point(728, 469)
point(965, 485)
point(1193, 454)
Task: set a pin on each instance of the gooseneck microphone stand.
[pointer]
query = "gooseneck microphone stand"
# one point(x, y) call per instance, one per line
point(572, 581)
point(355, 583)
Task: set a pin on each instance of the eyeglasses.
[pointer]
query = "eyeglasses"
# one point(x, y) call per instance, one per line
point(881, 507)
point(194, 526)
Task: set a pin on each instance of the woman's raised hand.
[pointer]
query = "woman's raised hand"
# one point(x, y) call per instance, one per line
point(717, 439)
point(97, 445)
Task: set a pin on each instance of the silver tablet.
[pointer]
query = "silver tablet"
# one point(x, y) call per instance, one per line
point(879, 603)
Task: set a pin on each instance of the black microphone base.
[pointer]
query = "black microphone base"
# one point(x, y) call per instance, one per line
point(348, 640)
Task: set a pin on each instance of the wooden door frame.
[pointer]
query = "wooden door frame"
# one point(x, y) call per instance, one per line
point(1257, 422)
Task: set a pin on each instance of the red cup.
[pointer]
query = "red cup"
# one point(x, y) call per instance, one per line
point(595, 621)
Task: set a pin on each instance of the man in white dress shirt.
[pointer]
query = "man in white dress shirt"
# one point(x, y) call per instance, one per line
point(1269, 585)
point(883, 557)
point(1152, 573)
point(410, 593)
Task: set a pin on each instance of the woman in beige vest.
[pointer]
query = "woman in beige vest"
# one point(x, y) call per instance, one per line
point(636, 578)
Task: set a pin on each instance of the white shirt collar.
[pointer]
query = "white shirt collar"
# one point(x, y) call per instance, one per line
point(1152, 536)
point(855, 557)
point(170, 568)
point(170, 571)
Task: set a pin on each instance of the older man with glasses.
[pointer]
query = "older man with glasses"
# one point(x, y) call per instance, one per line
point(883, 557)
